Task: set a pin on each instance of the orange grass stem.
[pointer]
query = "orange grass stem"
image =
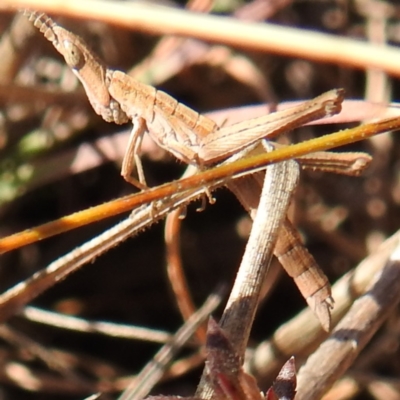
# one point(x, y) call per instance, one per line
point(233, 170)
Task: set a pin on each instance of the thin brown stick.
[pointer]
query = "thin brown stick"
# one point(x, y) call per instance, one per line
point(237, 319)
point(154, 370)
point(46, 355)
point(175, 271)
point(14, 44)
point(280, 182)
point(264, 37)
point(303, 334)
point(19, 295)
point(62, 321)
point(353, 332)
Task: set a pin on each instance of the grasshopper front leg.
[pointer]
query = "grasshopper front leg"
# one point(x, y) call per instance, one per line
point(131, 156)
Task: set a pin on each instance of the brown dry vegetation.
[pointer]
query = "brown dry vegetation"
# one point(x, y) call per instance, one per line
point(46, 124)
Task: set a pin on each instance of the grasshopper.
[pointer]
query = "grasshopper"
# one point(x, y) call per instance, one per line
point(190, 136)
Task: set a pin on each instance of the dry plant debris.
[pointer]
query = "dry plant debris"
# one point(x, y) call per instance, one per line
point(57, 156)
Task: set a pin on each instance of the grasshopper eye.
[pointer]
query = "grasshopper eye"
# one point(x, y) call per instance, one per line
point(74, 57)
